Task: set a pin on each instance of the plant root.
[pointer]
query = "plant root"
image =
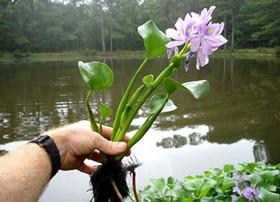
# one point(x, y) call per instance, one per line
point(109, 181)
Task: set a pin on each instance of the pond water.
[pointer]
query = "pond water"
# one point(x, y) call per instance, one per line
point(237, 122)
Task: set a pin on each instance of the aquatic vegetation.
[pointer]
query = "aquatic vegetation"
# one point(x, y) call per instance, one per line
point(246, 182)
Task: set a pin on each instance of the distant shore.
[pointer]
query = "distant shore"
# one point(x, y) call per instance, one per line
point(9, 57)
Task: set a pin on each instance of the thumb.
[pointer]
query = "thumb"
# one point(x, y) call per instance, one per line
point(110, 147)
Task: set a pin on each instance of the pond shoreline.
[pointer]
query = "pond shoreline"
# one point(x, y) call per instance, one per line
point(59, 56)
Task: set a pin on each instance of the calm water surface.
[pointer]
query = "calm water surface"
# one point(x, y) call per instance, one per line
point(237, 122)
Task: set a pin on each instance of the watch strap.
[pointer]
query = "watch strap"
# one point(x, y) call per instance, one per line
point(50, 147)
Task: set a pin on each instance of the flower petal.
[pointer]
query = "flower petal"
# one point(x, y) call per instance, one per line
point(172, 33)
point(195, 43)
point(173, 44)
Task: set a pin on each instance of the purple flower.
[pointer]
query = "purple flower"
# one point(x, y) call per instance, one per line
point(204, 36)
point(237, 188)
point(248, 193)
point(185, 29)
point(238, 176)
point(234, 198)
point(187, 61)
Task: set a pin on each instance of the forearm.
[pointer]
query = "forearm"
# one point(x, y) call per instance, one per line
point(24, 173)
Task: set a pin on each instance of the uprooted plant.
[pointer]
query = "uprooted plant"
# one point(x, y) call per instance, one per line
point(196, 34)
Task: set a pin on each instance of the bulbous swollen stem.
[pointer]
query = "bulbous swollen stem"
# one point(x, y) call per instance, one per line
point(143, 129)
point(165, 73)
point(124, 100)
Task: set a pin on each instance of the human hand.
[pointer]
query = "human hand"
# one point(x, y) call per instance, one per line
point(77, 141)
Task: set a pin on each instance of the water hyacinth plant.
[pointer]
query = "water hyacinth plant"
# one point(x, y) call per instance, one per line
point(247, 182)
point(196, 34)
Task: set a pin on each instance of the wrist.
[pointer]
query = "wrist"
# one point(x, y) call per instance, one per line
point(60, 141)
point(47, 143)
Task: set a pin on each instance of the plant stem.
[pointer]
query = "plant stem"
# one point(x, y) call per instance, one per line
point(144, 128)
point(134, 186)
point(124, 100)
point(90, 113)
point(165, 73)
point(93, 123)
point(117, 190)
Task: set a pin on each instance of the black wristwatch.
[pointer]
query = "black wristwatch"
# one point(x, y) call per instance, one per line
point(50, 147)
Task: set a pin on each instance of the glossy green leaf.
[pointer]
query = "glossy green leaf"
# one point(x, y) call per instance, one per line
point(193, 184)
point(97, 75)
point(180, 193)
point(209, 184)
point(227, 185)
point(159, 183)
point(105, 110)
point(255, 178)
point(148, 80)
point(268, 196)
point(208, 199)
point(157, 100)
point(171, 182)
point(198, 89)
point(154, 39)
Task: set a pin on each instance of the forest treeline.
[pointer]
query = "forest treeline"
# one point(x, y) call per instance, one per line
point(108, 25)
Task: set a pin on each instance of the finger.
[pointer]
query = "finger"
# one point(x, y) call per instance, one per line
point(95, 156)
point(86, 168)
point(107, 132)
point(109, 147)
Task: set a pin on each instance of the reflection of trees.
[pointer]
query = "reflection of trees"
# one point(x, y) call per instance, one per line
point(243, 103)
point(260, 152)
point(173, 142)
point(178, 140)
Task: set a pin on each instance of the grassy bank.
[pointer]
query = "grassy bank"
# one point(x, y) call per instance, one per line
point(122, 54)
point(6, 57)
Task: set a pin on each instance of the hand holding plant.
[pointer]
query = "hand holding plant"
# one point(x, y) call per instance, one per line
point(197, 35)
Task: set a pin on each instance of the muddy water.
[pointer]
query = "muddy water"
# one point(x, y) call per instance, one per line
point(237, 122)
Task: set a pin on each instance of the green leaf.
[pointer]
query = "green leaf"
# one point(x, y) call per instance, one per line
point(193, 185)
point(209, 184)
point(180, 193)
point(148, 80)
point(105, 110)
point(255, 178)
point(227, 185)
point(189, 199)
point(97, 75)
point(157, 100)
point(228, 168)
point(198, 89)
point(268, 187)
point(208, 199)
point(171, 182)
point(154, 39)
point(267, 196)
point(159, 183)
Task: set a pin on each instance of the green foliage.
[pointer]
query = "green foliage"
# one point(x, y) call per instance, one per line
point(218, 185)
point(159, 99)
point(54, 26)
point(198, 89)
point(148, 80)
point(104, 110)
point(154, 39)
point(97, 75)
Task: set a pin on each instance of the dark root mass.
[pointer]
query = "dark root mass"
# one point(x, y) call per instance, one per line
point(102, 180)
